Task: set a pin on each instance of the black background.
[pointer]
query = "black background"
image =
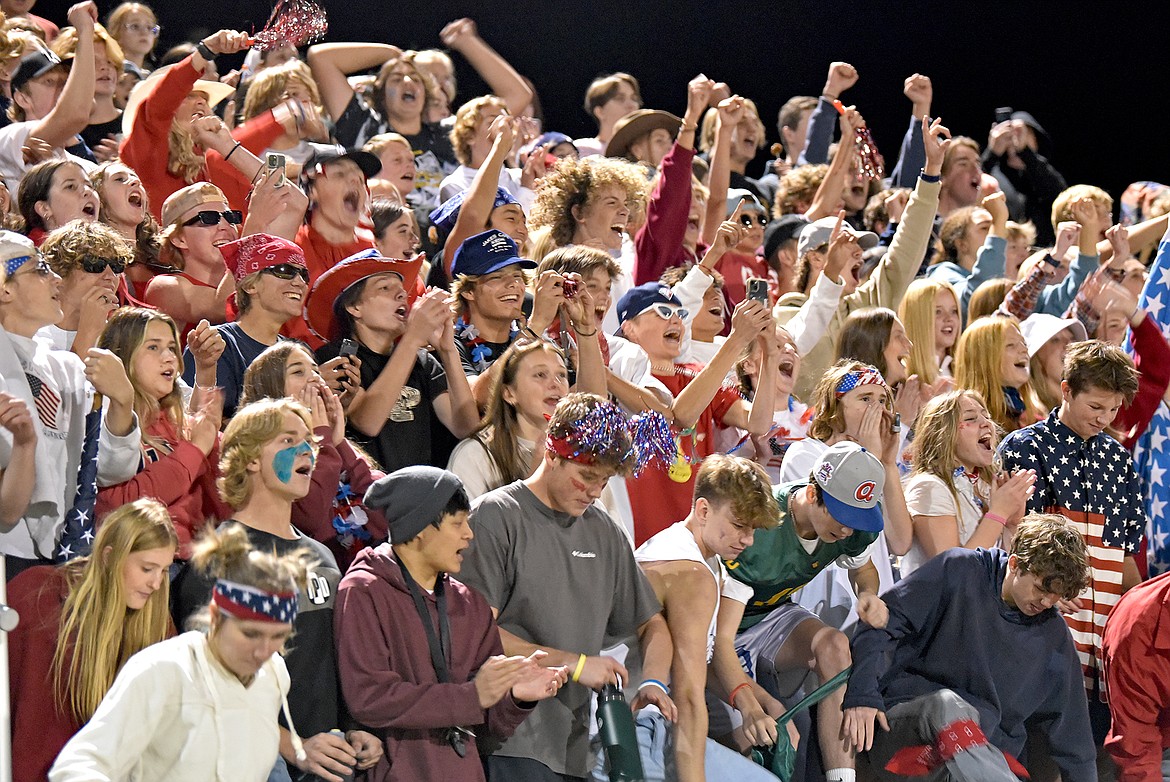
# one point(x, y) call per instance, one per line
point(1094, 75)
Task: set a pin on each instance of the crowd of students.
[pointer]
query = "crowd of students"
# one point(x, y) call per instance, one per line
point(351, 427)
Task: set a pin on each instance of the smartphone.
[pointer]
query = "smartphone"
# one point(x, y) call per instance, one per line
point(348, 349)
point(758, 289)
point(1003, 114)
point(276, 163)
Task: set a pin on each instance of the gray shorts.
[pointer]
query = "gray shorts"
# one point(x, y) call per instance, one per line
point(758, 646)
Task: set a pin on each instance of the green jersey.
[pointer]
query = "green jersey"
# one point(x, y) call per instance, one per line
point(776, 564)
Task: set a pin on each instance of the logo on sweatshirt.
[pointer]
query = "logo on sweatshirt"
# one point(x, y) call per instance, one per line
point(584, 554)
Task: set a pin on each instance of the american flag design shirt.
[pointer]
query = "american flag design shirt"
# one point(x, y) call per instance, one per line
point(1094, 484)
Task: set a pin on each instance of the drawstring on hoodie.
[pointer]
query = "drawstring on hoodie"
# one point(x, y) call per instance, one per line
point(298, 745)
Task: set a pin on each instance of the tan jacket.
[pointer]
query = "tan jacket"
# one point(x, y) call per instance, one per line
point(885, 288)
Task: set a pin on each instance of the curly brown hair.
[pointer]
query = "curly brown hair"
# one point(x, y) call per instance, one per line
point(65, 248)
point(797, 189)
point(573, 183)
point(1050, 548)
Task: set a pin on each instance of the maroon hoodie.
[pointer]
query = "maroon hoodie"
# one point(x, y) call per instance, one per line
point(389, 683)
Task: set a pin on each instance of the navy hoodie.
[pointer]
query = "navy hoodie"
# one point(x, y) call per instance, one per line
point(950, 628)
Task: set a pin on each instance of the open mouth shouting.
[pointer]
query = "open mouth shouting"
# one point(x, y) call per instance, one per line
point(672, 337)
point(352, 200)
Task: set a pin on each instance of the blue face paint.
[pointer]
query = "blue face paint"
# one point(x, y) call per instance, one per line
point(285, 458)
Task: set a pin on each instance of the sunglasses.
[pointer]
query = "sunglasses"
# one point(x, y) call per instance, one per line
point(748, 219)
point(286, 271)
point(99, 265)
point(211, 217)
point(668, 311)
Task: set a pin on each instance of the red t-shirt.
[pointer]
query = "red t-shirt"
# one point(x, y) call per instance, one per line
point(658, 500)
point(738, 268)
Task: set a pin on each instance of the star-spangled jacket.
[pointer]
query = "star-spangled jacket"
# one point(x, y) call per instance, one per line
point(1094, 484)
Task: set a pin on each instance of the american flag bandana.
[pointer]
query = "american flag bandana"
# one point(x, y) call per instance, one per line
point(251, 604)
point(12, 264)
point(48, 403)
point(860, 377)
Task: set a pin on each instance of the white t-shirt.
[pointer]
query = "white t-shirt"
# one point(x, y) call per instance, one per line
point(475, 466)
point(460, 179)
point(928, 495)
point(12, 165)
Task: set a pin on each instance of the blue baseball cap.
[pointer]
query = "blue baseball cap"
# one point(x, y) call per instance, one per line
point(445, 216)
point(642, 297)
point(488, 252)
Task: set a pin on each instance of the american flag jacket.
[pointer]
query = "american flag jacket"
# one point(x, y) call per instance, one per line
point(1094, 484)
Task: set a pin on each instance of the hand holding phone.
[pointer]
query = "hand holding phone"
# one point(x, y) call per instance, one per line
point(347, 351)
point(758, 289)
point(276, 162)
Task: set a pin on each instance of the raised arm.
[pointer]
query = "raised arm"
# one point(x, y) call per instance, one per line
point(479, 198)
point(748, 321)
point(70, 115)
point(332, 62)
point(841, 77)
point(888, 283)
point(911, 157)
point(462, 36)
point(658, 242)
point(729, 113)
point(457, 408)
point(827, 200)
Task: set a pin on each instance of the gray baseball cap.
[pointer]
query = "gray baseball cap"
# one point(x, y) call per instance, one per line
point(817, 233)
point(852, 479)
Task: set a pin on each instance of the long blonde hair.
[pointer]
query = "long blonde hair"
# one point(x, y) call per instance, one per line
point(917, 316)
point(182, 159)
point(978, 365)
point(935, 432)
point(98, 633)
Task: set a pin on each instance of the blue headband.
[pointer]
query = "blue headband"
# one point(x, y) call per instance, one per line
point(12, 264)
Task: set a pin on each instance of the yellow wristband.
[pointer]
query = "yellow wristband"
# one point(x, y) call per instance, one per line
point(580, 667)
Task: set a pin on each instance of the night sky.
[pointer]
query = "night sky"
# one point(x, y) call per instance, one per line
point(1078, 68)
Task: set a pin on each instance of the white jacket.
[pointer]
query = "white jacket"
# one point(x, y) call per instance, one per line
point(58, 452)
point(174, 713)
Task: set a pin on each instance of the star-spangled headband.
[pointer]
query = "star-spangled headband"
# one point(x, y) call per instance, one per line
point(860, 377)
point(650, 437)
point(251, 604)
point(12, 264)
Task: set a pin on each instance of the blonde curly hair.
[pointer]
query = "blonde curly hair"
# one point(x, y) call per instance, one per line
point(252, 427)
point(467, 118)
point(574, 183)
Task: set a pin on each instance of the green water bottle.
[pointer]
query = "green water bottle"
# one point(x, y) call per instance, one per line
point(615, 725)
